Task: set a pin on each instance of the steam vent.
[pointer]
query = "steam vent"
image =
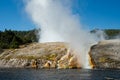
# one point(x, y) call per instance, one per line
point(105, 54)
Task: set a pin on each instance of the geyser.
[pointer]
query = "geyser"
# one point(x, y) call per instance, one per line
point(59, 24)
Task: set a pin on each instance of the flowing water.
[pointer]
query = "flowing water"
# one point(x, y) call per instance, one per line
point(62, 74)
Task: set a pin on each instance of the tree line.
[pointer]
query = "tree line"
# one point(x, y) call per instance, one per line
point(109, 33)
point(13, 39)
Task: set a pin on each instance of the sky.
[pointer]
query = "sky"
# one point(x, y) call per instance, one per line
point(94, 14)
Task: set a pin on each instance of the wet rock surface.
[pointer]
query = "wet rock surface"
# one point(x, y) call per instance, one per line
point(106, 54)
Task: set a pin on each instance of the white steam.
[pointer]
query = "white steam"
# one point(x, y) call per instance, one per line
point(57, 23)
point(100, 34)
point(117, 36)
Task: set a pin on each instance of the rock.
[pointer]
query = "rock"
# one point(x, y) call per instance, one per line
point(47, 64)
point(34, 64)
point(54, 64)
point(27, 65)
point(35, 55)
point(68, 61)
point(73, 63)
point(63, 62)
point(106, 54)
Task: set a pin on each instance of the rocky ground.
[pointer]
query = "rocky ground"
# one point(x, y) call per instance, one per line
point(39, 55)
point(105, 54)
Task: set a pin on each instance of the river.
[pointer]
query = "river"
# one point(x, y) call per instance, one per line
point(59, 74)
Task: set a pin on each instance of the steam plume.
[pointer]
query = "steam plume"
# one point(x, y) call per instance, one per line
point(58, 24)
